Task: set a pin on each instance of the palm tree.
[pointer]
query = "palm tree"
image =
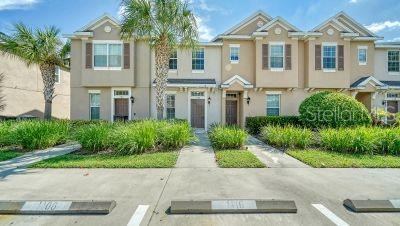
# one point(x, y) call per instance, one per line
point(166, 24)
point(41, 47)
point(2, 105)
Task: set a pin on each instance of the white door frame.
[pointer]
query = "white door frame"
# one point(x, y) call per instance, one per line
point(205, 97)
point(113, 97)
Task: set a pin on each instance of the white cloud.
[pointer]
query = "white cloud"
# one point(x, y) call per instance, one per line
point(395, 40)
point(205, 32)
point(354, 1)
point(17, 4)
point(379, 26)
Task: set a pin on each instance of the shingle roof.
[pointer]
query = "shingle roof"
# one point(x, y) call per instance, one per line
point(392, 83)
point(191, 81)
point(359, 81)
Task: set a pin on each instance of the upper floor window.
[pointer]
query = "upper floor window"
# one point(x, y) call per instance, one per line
point(170, 106)
point(57, 75)
point(329, 57)
point(234, 53)
point(273, 104)
point(107, 55)
point(393, 61)
point(362, 55)
point(276, 56)
point(173, 60)
point(198, 59)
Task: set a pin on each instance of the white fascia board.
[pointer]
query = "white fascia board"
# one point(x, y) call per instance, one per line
point(246, 20)
point(279, 20)
point(358, 24)
point(211, 44)
point(367, 38)
point(243, 37)
point(351, 35)
point(260, 34)
point(190, 85)
point(378, 46)
point(78, 34)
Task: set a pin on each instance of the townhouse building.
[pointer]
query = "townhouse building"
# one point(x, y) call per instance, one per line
point(261, 66)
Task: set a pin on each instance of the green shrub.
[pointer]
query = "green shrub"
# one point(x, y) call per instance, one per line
point(75, 124)
point(388, 141)
point(255, 124)
point(35, 134)
point(288, 136)
point(173, 134)
point(94, 137)
point(5, 133)
point(227, 137)
point(329, 109)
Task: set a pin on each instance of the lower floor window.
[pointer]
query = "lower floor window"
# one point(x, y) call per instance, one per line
point(273, 104)
point(94, 106)
point(170, 106)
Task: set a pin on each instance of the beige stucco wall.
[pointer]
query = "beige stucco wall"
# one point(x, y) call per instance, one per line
point(381, 66)
point(274, 79)
point(22, 90)
point(321, 79)
point(358, 71)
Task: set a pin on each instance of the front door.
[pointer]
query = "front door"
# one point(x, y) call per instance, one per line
point(231, 112)
point(121, 111)
point(392, 106)
point(197, 113)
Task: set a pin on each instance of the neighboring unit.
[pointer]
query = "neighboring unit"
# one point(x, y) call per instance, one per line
point(22, 89)
point(261, 66)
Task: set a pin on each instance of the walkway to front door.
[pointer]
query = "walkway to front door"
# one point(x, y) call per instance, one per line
point(198, 155)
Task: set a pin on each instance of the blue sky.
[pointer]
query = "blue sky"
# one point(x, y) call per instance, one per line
point(214, 16)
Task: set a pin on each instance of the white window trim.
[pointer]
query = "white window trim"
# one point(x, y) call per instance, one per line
point(199, 71)
point(329, 70)
point(266, 101)
point(205, 97)
point(230, 53)
point(58, 74)
point(366, 55)
point(128, 96)
point(174, 71)
point(270, 44)
point(108, 42)
point(394, 73)
point(90, 104)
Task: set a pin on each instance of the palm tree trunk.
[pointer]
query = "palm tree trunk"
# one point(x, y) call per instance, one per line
point(162, 52)
point(48, 72)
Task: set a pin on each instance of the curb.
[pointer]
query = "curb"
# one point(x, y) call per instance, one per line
point(52, 207)
point(365, 206)
point(232, 206)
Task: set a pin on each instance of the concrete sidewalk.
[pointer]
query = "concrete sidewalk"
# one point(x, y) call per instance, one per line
point(19, 163)
point(198, 155)
point(272, 157)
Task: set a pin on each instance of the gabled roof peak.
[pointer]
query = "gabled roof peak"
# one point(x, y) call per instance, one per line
point(285, 23)
point(105, 16)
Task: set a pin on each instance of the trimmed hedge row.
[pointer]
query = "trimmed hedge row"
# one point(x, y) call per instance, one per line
point(227, 137)
point(255, 124)
point(288, 136)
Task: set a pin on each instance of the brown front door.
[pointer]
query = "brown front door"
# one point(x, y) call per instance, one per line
point(231, 112)
point(121, 106)
point(197, 113)
point(392, 106)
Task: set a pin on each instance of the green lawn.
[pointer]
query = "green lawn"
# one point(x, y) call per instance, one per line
point(152, 160)
point(7, 154)
point(237, 159)
point(324, 159)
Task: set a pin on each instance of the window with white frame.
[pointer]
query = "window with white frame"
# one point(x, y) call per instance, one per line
point(273, 104)
point(393, 61)
point(276, 56)
point(107, 55)
point(362, 55)
point(170, 106)
point(57, 75)
point(234, 55)
point(94, 108)
point(173, 60)
point(198, 59)
point(329, 57)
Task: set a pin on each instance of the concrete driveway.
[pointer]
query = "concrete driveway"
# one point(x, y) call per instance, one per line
point(153, 189)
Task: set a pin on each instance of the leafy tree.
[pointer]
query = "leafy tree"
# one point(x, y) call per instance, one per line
point(41, 47)
point(166, 24)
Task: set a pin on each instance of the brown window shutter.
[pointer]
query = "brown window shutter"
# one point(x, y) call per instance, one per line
point(317, 57)
point(340, 58)
point(127, 56)
point(265, 56)
point(288, 57)
point(89, 52)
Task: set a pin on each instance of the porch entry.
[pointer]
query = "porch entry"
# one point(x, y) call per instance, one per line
point(197, 110)
point(231, 108)
point(121, 105)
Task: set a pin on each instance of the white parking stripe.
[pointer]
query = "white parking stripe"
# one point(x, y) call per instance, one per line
point(331, 216)
point(137, 217)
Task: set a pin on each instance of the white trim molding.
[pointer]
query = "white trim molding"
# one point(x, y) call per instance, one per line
point(239, 79)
